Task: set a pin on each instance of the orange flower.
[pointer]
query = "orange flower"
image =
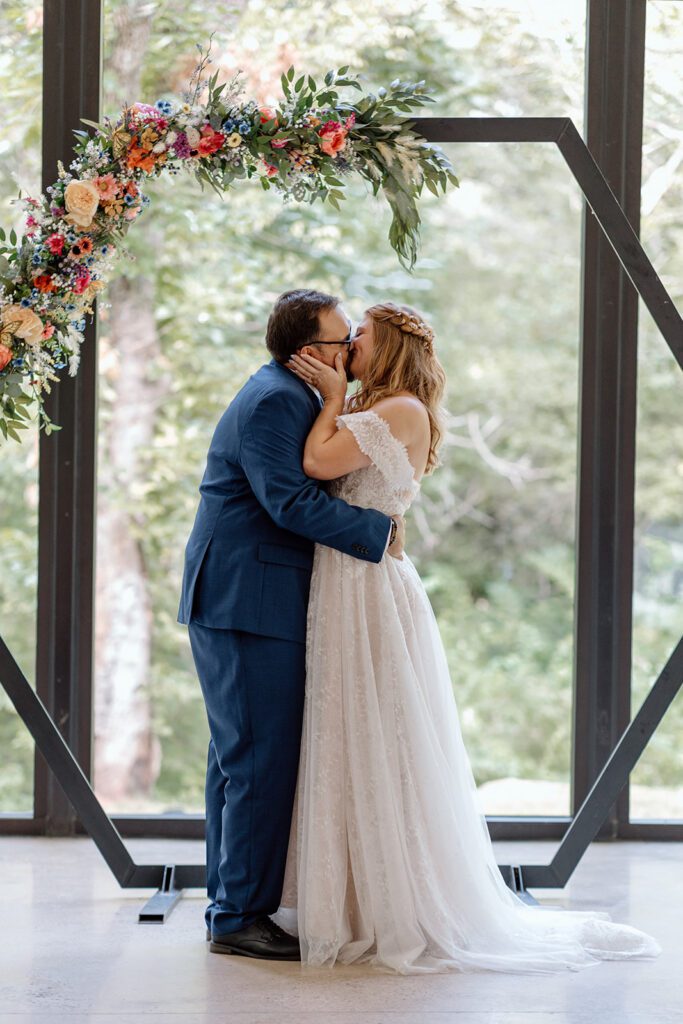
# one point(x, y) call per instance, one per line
point(268, 114)
point(44, 283)
point(5, 356)
point(210, 141)
point(80, 249)
point(333, 136)
point(138, 157)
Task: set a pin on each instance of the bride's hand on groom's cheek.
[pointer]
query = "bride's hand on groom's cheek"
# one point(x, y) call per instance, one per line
point(330, 381)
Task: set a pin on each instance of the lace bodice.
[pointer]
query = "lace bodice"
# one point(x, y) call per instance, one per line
point(388, 484)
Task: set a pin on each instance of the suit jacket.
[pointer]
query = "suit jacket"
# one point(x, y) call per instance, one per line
point(249, 556)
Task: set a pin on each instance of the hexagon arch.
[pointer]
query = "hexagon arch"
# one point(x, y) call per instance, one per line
point(172, 879)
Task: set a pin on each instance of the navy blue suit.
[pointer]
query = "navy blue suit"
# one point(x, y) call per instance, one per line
point(244, 598)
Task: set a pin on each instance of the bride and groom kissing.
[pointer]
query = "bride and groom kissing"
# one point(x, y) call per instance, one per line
point(342, 817)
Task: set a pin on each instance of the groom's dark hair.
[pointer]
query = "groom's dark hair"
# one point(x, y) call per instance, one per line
point(293, 321)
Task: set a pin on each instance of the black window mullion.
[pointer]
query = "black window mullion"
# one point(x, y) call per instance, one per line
point(72, 56)
point(615, 60)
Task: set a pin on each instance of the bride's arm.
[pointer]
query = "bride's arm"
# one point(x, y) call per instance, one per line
point(328, 452)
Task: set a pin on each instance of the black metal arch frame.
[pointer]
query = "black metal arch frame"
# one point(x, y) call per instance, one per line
point(605, 486)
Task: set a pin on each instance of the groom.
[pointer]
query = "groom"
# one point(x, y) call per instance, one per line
point(244, 598)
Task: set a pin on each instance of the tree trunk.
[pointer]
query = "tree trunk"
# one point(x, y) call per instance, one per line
point(127, 754)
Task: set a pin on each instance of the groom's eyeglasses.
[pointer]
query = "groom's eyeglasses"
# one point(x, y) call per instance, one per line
point(342, 341)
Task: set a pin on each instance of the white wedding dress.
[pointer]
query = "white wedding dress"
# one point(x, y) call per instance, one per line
point(390, 860)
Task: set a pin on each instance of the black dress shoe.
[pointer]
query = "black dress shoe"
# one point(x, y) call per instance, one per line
point(263, 939)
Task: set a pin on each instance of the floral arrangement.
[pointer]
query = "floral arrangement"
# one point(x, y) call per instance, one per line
point(303, 148)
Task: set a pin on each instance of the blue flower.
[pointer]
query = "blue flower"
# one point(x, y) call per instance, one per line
point(164, 106)
point(244, 128)
point(70, 306)
point(37, 259)
point(89, 261)
point(25, 303)
point(228, 125)
point(34, 293)
point(129, 199)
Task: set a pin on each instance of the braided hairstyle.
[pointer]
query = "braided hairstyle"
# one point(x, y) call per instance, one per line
point(403, 359)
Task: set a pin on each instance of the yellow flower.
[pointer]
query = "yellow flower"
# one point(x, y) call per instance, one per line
point(148, 137)
point(234, 140)
point(81, 199)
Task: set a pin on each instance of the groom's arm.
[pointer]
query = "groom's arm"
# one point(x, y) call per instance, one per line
point(270, 454)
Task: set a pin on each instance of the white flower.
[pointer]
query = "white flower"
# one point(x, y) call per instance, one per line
point(159, 147)
point(171, 137)
point(193, 136)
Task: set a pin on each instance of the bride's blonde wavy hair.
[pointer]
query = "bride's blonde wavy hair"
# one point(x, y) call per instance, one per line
point(403, 359)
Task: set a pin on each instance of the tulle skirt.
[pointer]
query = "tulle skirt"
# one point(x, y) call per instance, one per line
point(390, 860)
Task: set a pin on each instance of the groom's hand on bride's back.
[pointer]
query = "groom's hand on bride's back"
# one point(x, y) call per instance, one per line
point(396, 549)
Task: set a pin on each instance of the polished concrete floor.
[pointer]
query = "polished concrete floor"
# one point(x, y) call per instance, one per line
point(72, 951)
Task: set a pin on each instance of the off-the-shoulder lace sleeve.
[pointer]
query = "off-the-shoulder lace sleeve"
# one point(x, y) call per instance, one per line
point(386, 451)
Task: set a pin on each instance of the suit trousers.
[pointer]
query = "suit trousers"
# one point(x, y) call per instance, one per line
point(253, 688)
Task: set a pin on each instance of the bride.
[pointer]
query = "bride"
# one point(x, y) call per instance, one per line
point(390, 860)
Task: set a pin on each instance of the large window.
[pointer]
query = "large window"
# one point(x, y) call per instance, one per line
point(656, 787)
point(184, 328)
point(20, 86)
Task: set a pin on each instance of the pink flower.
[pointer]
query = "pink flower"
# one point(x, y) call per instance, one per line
point(279, 145)
point(82, 282)
point(5, 356)
point(49, 330)
point(270, 169)
point(144, 112)
point(107, 186)
point(31, 221)
point(55, 244)
point(131, 212)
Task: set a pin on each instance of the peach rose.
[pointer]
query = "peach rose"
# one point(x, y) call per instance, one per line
point(5, 356)
point(333, 138)
point(81, 199)
point(23, 322)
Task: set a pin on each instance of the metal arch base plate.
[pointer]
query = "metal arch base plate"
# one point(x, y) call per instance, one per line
point(159, 906)
point(171, 879)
